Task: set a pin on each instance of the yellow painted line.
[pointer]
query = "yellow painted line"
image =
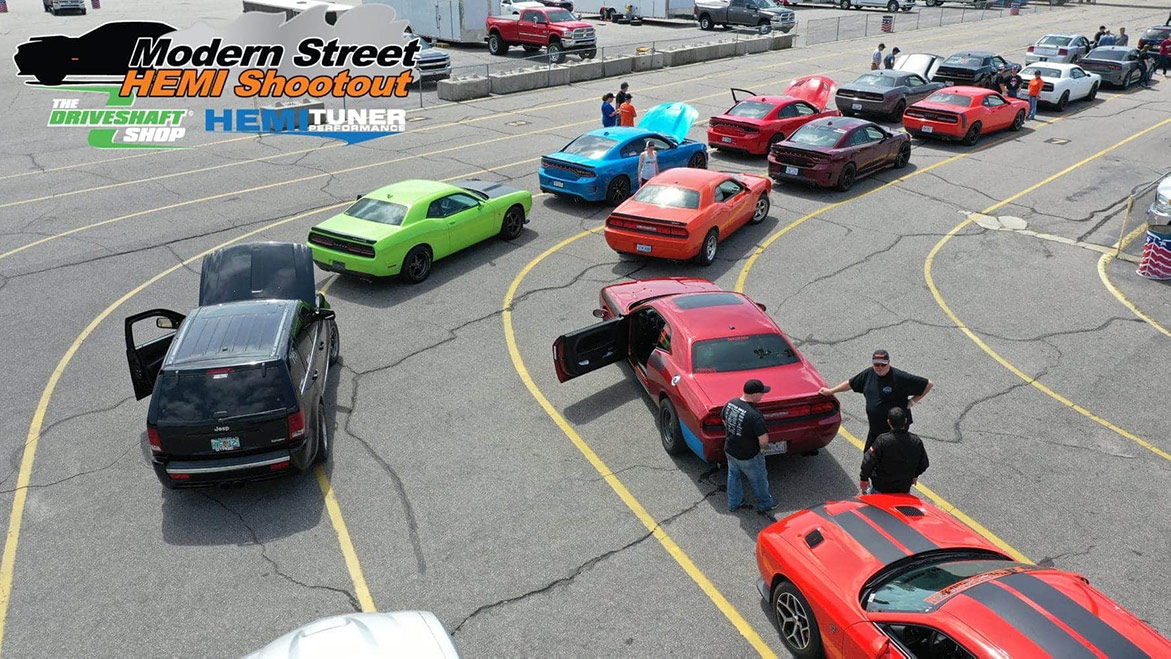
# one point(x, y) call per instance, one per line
point(1105, 260)
point(995, 355)
point(361, 590)
point(12, 540)
point(951, 509)
point(607, 474)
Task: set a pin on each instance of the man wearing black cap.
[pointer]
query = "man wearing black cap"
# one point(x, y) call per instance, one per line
point(746, 436)
point(884, 387)
point(896, 460)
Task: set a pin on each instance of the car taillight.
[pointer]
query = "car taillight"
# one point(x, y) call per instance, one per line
point(1030, 49)
point(278, 466)
point(1062, 51)
point(297, 424)
point(180, 477)
point(152, 436)
point(822, 408)
point(714, 420)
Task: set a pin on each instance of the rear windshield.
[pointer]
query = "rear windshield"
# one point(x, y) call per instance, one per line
point(741, 353)
point(205, 395)
point(590, 146)
point(1102, 53)
point(751, 109)
point(374, 210)
point(669, 196)
point(1159, 33)
point(817, 135)
point(944, 98)
point(1045, 73)
point(1052, 40)
point(964, 60)
point(876, 81)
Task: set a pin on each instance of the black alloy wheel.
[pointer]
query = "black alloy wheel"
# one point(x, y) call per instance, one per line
point(670, 434)
point(847, 176)
point(1018, 121)
point(900, 108)
point(618, 190)
point(698, 161)
point(1063, 101)
point(904, 156)
point(973, 135)
point(416, 265)
point(513, 223)
point(335, 343)
point(324, 442)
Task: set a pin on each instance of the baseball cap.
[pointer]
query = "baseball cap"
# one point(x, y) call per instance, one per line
point(881, 357)
point(756, 387)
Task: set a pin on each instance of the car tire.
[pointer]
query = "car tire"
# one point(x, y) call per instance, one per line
point(705, 22)
point(904, 156)
point(589, 54)
point(773, 141)
point(973, 135)
point(763, 205)
point(708, 249)
point(513, 223)
point(697, 161)
point(324, 441)
point(416, 265)
point(1093, 92)
point(1018, 121)
point(670, 432)
point(335, 343)
point(556, 52)
point(844, 4)
point(497, 45)
point(1063, 102)
point(900, 108)
point(795, 621)
point(618, 190)
point(529, 48)
point(50, 77)
point(892, 6)
point(847, 176)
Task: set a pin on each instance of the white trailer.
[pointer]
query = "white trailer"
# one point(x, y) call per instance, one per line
point(455, 21)
point(291, 8)
point(660, 9)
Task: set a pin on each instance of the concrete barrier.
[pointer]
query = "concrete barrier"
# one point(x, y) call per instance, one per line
point(617, 66)
point(587, 70)
point(679, 56)
point(464, 89)
point(647, 62)
point(755, 45)
point(782, 41)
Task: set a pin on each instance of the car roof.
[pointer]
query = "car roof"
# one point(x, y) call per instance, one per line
point(974, 53)
point(966, 90)
point(712, 315)
point(1113, 48)
point(691, 177)
point(847, 123)
point(411, 191)
point(776, 100)
point(234, 333)
point(258, 271)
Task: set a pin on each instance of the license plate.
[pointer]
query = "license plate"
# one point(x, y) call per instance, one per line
point(726, 139)
point(776, 448)
point(225, 443)
point(856, 106)
point(928, 129)
point(643, 248)
point(558, 184)
point(791, 171)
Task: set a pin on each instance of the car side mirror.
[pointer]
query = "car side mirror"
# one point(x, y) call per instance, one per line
point(325, 314)
point(357, 197)
point(762, 307)
point(162, 322)
point(598, 313)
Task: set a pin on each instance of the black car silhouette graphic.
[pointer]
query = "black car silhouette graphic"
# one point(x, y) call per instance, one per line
point(104, 51)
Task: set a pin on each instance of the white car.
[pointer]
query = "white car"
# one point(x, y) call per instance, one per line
point(415, 634)
point(890, 5)
point(1062, 83)
point(511, 7)
point(1058, 48)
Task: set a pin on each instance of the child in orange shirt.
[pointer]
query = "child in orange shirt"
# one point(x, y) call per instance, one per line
point(626, 112)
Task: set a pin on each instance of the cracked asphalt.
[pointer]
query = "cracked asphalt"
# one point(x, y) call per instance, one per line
point(460, 494)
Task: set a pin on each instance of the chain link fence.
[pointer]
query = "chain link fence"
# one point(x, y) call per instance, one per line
point(827, 30)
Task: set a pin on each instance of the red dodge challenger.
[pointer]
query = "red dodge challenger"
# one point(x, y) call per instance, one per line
point(836, 152)
point(686, 213)
point(757, 122)
point(692, 346)
point(964, 113)
point(888, 575)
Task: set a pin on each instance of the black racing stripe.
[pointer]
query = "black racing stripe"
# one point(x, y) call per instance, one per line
point(898, 529)
point(871, 540)
point(1029, 622)
point(1073, 615)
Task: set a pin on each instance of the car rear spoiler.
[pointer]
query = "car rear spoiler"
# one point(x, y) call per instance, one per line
point(736, 99)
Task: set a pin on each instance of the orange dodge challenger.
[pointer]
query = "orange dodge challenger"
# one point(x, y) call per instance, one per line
point(685, 213)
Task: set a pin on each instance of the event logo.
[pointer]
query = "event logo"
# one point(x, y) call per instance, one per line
point(295, 71)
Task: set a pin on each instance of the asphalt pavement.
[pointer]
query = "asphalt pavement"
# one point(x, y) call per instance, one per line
point(474, 485)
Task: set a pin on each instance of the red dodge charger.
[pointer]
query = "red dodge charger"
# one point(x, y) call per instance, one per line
point(756, 122)
point(894, 577)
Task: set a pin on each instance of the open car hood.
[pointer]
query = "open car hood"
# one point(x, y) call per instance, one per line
point(671, 119)
point(816, 90)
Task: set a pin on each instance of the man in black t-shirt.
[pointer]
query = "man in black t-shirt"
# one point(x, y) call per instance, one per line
point(896, 461)
point(746, 435)
point(884, 387)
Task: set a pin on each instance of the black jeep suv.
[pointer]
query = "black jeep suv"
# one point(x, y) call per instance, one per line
point(238, 384)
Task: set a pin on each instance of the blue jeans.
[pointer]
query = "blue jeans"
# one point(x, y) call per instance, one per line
point(757, 475)
point(1032, 107)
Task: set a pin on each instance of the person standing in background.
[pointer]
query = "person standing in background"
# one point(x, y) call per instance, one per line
point(876, 57)
point(626, 112)
point(888, 62)
point(609, 114)
point(623, 94)
point(648, 164)
point(1122, 39)
point(884, 388)
point(746, 435)
point(896, 461)
point(1035, 87)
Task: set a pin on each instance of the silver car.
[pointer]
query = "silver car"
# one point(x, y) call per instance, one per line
point(1160, 210)
point(1067, 48)
point(365, 636)
point(1118, 65)
point(885, 92)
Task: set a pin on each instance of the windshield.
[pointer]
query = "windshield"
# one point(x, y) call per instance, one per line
point(1045, 73)
point(944, 98)
point(817, 135)
point(876, 81)
point(751, 109)
point(741, 353)
point(222, 393)
point(590, 146)
point(964, 60)
point(1053, 40)
point(1103, 53)
point(921, 586)
point(1158, 33)
point(665, 195)
point(560, 16)
point(374, 210)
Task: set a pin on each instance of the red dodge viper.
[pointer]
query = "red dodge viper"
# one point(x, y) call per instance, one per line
point(890, 576)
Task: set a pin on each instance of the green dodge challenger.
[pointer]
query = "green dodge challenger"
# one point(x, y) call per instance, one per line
point(402, 228)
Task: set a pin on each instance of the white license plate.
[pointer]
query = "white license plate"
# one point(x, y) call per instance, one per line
point(929, 129)
point(726, 139)
point(558, 184)
point(791, 171)
point(776, 448)
point(856, 106)
point(643, 248)
point(225, 443)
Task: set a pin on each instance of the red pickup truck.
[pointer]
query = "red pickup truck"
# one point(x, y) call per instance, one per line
point(554, 29)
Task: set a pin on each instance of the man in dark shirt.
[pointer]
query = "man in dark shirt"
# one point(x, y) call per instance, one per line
point(884, 387)
point(896, 460)
point(1012, 83)
point(746, 436)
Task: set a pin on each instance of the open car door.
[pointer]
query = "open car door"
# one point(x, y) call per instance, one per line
point(741, 94)
point(146, 359)
point(589, 349)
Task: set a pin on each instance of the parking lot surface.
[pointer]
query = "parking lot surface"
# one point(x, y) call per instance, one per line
point(465, 479)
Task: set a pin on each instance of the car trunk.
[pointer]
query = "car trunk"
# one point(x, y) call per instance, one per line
point(956, 75)
point(792, 398)
point(787, 153)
